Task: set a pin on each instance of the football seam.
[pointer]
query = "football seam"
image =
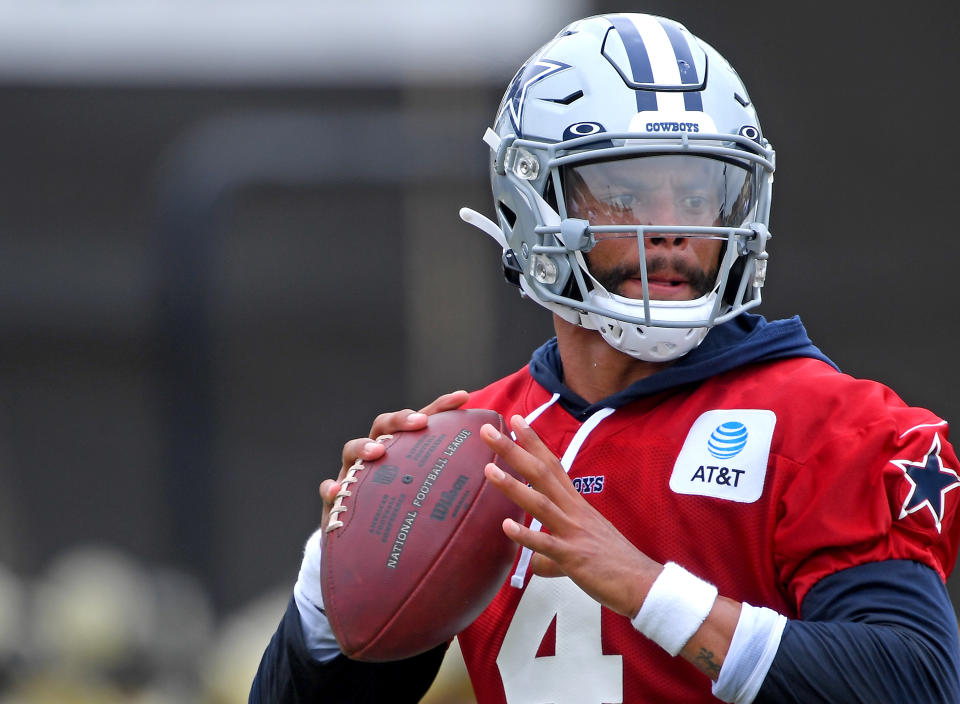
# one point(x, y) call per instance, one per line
point(331, 549)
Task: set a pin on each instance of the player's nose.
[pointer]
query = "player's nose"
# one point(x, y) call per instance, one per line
point(668, 240)
point(662, 213)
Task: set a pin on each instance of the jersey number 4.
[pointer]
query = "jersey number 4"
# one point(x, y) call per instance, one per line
point(579, 673)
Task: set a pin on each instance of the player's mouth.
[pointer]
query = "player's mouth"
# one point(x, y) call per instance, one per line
point(662, 287)
point(667, 280)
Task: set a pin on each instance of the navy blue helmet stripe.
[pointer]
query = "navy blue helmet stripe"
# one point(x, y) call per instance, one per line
point(685, 64)
point(688, 70)
point(692, 101)
point(639, 61)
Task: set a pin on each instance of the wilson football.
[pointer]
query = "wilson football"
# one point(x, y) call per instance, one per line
point(414, 549)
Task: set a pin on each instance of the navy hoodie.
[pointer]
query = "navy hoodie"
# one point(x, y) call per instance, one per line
point(743, 340)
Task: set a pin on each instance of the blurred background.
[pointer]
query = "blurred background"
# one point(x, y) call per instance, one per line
point(229, 237)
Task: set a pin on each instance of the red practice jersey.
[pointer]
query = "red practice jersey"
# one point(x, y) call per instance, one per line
point(761, 480)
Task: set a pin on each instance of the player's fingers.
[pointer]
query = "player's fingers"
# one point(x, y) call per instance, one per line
point(526, 497)
point(328, 493)
point(543, 566)
point(446, 402)
point(542, 470)
point(363, 449)
point(554, 480)
point(528, 439)
point(390, 423)
point(386, 424)
point(538, 541)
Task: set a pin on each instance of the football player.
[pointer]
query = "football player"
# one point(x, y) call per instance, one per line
point(715, 510)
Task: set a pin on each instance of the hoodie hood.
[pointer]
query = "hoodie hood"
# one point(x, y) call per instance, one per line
point(744, 340)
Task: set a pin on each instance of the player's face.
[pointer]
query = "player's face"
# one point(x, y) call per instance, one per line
point(659, 190)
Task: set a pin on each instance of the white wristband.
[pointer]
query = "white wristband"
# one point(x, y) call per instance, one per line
point(308, 581)
point(675, 607)
point(752, 649)
point(317, 635)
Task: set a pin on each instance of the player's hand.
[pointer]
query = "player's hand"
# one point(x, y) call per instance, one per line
point(369, 448)
point(581, 543)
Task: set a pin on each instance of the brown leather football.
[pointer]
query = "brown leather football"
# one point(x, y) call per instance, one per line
point(414, 550)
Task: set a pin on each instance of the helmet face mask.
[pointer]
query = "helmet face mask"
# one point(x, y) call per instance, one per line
point(628, 128)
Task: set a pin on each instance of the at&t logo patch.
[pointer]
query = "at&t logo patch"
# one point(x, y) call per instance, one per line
point(725, 455)
point(727, 440)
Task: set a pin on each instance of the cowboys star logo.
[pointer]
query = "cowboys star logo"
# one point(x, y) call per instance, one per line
point(532, 72)
point(929, 482)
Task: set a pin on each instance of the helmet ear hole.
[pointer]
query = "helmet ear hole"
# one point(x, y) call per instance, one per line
point(736, 273)
point(508, 215)
point(550, 195)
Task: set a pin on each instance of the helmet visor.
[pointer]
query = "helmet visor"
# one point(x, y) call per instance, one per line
point(663, 190)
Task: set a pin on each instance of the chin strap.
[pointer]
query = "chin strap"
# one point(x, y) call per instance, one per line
point(482, 222)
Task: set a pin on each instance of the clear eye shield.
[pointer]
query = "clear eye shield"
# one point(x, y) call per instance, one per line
point(664, 190)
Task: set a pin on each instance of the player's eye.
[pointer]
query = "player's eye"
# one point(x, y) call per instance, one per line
point(693, 204)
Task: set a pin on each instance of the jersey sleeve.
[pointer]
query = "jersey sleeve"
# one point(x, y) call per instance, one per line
point(878, 482)
point(288, 675)
point(878, 632)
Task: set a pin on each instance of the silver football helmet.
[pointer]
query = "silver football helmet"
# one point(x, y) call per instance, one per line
point(628, 127)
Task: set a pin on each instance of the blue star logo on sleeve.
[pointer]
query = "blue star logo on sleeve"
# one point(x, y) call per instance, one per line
point(929, 482)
